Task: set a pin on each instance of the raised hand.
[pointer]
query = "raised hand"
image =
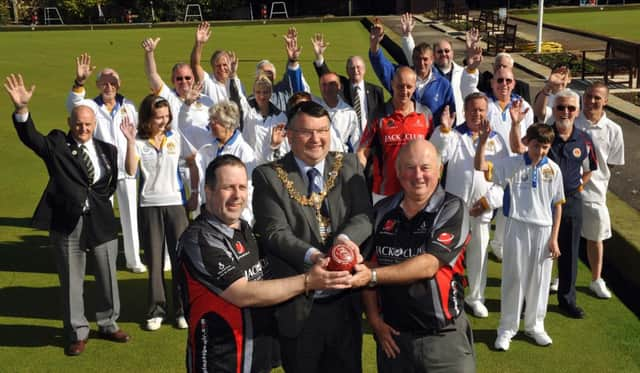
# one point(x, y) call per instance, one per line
point(233, 64)
point(193, 94)
point(20, 96)
point(278, 133)
point(408, 23)
point(474, 57)
point(485, 130)
point(128, 129)
point(83, 67)
point(446, 119)
point(472, 38)
point(291, 42)
point(203, 33)
point(377, 32)
point(149, 45)
point(559, 79)
point(516, 113)
point(319, 44)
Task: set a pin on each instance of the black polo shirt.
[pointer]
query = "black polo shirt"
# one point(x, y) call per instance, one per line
point(441, 230)
point(575, 156)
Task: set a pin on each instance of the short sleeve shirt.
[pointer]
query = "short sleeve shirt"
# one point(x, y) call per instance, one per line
point(575, 156)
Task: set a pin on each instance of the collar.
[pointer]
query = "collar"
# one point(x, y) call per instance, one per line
point(119, 100)
point(273, 110)
point(572, 137)
point(232, 139)
point(218, 224)
point(303, 167)
point(463, 129)
point(527, 160)
point(89, 144)
point(600, 123)
point(360, 85)
point(435, 201)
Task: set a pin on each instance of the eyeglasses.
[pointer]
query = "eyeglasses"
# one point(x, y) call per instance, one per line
point(181, 78)
point(504, 80)
point(571, 108)
point(307, 132)
point(443, 51)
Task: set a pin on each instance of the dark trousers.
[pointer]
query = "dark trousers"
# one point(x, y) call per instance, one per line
point(71, 260)
point(160, 225)
point(448, 351)
point(330, 341)
point(569, 243)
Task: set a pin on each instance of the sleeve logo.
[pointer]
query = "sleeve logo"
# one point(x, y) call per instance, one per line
point(445, 238)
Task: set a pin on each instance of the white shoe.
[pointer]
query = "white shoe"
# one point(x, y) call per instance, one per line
point(541, 338)
point(478, 309)
point(502, 342)
point(167, 266)
point(139, 269)
point(600, 289)
point(181, 323)
point(553, 287)
point(497, 250)
point(154, 323)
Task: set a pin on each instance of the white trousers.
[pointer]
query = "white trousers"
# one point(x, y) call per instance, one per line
point(526, 272)
point(127, 204)
point(497, 243)
point(476, 259)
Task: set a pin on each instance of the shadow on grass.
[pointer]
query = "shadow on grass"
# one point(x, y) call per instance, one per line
point(15, 222)
point(31, 253)
point(30, 336)
point(45, 302)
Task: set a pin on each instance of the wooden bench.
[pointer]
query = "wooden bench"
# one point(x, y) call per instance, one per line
point(503, 41)
point(620, 57)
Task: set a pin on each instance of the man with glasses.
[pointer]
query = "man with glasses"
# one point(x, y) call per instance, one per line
point(503, 61)
point(609, 145)
point(463, 80)
point(310, 200)
point(505, 107)
point(573, 151)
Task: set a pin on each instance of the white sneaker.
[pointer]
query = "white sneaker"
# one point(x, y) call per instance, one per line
point(553, 287)
point(154, 323)
point(181, 323)
point(502, 342)
point(497, 250)
point(478, 309)
point(541, 338)
point(139, 269)
point(600, 289)
point(167, 266)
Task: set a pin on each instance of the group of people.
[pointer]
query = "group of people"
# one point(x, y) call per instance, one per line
point(274, 180)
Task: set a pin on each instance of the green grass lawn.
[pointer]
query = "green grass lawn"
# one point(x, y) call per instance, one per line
point(614, 22)
point(608, 340)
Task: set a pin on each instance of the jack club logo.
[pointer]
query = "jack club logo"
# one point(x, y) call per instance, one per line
point(389, 225)
point(445, 238)
point(577, 152)
point(240, 249)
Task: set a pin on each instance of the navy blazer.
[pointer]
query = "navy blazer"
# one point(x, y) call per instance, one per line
point(68, 189)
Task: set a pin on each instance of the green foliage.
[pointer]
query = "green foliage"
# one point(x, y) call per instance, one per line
point(78, 10)
point(4, 13)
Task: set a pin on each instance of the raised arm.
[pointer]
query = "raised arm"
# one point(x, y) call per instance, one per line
point(83, 71)
point(155, 81)
point(131, 157)
point(319, 46)
point(558, 80)
point(407, 23)
point(383, 68)
point(480, 163)
point(517, 116)
point(203, 33)
point(19, 95)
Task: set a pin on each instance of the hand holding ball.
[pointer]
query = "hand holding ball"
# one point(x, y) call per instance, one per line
point(341, 258)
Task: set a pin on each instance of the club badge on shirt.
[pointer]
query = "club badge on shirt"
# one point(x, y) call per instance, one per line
point(577, 152)
point(445, 238)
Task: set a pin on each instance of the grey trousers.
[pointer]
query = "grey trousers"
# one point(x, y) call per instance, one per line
point(160, 225)
point(449, 351)
point(71, 259)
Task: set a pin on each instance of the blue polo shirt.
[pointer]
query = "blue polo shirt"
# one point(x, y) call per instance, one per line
point(575, 156)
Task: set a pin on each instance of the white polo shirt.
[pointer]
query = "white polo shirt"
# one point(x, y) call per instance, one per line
point(458, 148)
point(257, 132)
point(159, 178)
point(345, 122)
point(609, 144)
point(234, 146)
point(501, 119)
point(529, 192)
point(194, 121)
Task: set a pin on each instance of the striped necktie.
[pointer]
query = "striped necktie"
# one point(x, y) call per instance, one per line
point(357, 106)
point(87, 162)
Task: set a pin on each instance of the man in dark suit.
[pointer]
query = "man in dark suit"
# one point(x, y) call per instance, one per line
point(76, 210)
point(310, 200)
point(370, 97)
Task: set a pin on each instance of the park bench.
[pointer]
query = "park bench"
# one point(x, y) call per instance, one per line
point(620, 57)
point(503, 41)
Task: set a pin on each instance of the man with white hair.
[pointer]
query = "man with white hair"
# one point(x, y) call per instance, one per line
point(109, 108)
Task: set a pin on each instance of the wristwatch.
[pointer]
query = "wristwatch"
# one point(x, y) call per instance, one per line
point(374, 278)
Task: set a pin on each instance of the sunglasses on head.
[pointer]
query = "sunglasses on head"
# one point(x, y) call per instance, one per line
point(181, 78)
point(571, 108)
point(504, 80)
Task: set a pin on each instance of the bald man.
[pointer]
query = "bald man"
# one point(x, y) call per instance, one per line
point(415, 301)
point(76, 210)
